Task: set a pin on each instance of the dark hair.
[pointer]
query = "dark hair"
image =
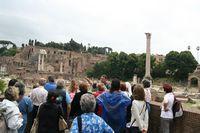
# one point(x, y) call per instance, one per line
point(105, 76)
point(12, 82)
point(132, 88)
point(50, 79)
point(21, 88)
point(138, 93)
point(167, 88)
point(115, 85)
point(123, 87)
point(52, 97)
point(83, 87)
point(94, 86)
point(146, 83)
point(11, 94)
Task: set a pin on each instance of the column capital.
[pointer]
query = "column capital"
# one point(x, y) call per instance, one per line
point(148, 35)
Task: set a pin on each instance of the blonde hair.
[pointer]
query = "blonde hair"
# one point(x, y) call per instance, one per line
point(11, 93)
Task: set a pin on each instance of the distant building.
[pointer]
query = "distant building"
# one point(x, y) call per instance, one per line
point(33, 62)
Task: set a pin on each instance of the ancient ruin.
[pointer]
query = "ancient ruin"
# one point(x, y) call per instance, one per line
point(195, 76)
point(32, 62)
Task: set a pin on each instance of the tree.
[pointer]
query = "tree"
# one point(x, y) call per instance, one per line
point(159, 71)
point(187, 65)
point(178, 65)
point(2, 86)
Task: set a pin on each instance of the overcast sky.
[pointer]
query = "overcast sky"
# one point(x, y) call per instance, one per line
point(119, 24)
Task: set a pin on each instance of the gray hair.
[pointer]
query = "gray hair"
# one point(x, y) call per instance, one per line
point(61, 83)
point(88, 103)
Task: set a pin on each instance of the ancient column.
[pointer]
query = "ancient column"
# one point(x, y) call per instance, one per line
point(148, 56)
point(39, 62)
point(42, 62)
point(61, 67)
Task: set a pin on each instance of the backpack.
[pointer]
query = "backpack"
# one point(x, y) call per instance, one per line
point(177, 108)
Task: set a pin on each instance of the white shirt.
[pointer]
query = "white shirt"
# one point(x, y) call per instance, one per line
point(12, 115)
point(38, 95)
point(141, 120)
point(169, 99)
point(147, 95)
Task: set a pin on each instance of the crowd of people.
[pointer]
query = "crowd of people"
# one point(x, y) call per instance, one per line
point(87, 107)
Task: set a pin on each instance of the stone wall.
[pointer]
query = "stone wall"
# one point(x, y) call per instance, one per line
point(189, 123)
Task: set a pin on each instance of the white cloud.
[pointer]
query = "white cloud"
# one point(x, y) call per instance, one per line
point(119, 24)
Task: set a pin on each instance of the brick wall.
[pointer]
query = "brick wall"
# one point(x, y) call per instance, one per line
point(188, 123)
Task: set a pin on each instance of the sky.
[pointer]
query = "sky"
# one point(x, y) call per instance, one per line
point(119, 24)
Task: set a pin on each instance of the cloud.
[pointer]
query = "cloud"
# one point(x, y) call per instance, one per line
point(119, 24)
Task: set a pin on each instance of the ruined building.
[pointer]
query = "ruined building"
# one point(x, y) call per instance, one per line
point(33, 62)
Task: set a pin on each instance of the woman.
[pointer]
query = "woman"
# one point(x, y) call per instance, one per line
point(166, 109)
point(139, 112)
point(73, 89)
point(12, 114)
point(25, 106)
point(75, 105)
point(88, 121)
point(49, 114)
point(64, 98)
point(114, 104)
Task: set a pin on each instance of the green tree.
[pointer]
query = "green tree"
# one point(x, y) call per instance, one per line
point(172, 62)
point(2, 86)
point(178, 65)
point(187, 65)
point(159, 70)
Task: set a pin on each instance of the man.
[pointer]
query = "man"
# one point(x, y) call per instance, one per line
point(38, 96)
point(51, 85)
point(104, 79)
point(114, 104)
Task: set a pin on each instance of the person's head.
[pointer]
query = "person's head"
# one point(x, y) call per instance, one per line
point(101, 86)
point(83, 87)
point(146, 83)
point(42, 81)
point(73, 86)
point(115, 85)
point(138, 93)
point(21, 88)
point(35, 85)
point(50, 79)
point(167, 88)
point(94, 86)
point(60, 84)
point(52, 97)
point(12, 82)
point(88, 103)
point(11, 94)
point(123, 87)
point(132, 88)
point(104, 78)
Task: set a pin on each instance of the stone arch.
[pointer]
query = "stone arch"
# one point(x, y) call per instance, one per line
point(194, 77)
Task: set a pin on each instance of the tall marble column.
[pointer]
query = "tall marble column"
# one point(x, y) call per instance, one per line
point(148, 56)
point(43, 62)
point(39, 62)
point(61, 67)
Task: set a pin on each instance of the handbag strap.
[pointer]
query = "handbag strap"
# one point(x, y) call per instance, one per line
point(79, 124)
point(139, 114)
